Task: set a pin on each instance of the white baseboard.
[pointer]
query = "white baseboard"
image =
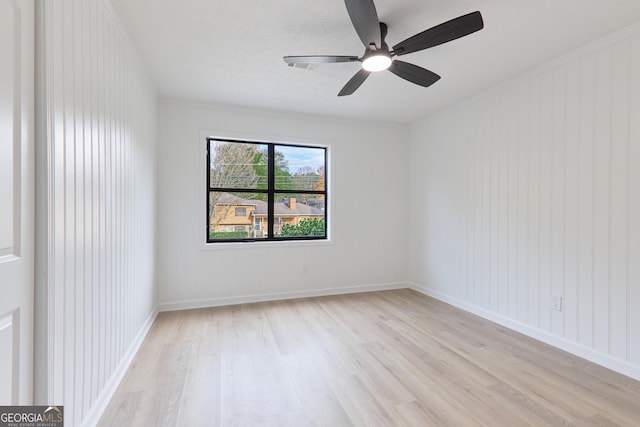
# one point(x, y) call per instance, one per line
point(276, 296)
point(605, 360)
point(102, 401)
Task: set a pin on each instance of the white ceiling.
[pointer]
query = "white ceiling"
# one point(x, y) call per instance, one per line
point(230, 52)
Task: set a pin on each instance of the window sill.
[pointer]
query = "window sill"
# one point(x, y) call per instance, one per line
point(264, 244)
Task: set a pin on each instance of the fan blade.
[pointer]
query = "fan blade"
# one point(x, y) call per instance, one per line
point(354, 83)
point(318, 59)
point(365, 20)
point(445, 32)
point(413, 73)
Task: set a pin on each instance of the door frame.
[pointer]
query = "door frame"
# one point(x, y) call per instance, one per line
point(46, 365)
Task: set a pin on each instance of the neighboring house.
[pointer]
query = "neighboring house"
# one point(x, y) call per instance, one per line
point(233, 214)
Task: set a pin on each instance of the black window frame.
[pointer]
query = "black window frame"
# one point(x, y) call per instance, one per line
point(270, 192)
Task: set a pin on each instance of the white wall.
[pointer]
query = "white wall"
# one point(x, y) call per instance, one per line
point(531, 190)
point(368, 210)
point(99, 130)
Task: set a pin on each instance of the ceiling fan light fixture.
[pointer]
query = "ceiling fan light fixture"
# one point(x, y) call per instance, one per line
point(376, 62)
point(377, 55)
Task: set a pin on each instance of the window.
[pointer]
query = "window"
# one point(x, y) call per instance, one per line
point(259, 191)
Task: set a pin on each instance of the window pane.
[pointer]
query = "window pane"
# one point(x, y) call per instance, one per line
point(299, 215)
point(237, 165)
point(299, 168)
point(237, 216)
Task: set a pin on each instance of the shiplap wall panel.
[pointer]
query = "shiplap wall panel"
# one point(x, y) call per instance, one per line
point(568, 318)
point(602, 201)
point(511, 233)
point(633, 278)
point(521, 220)
point(536, 195)
point(633, 161)
point(545, 191)
point(101, 143)
point(557, 197)
point(534, 148)
point(585, 203)
point(619, 200)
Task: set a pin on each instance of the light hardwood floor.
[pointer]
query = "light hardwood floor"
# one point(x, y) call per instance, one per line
point(391, 358)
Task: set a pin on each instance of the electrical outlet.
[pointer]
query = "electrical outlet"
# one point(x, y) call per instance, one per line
point(305, 269)
point(556, 302)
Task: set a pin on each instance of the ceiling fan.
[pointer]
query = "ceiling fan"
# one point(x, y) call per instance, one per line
point(377, 55)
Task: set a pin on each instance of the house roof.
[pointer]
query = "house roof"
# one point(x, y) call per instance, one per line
point(260, 206)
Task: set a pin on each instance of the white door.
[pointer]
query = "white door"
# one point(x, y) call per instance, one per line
point(16, 200)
